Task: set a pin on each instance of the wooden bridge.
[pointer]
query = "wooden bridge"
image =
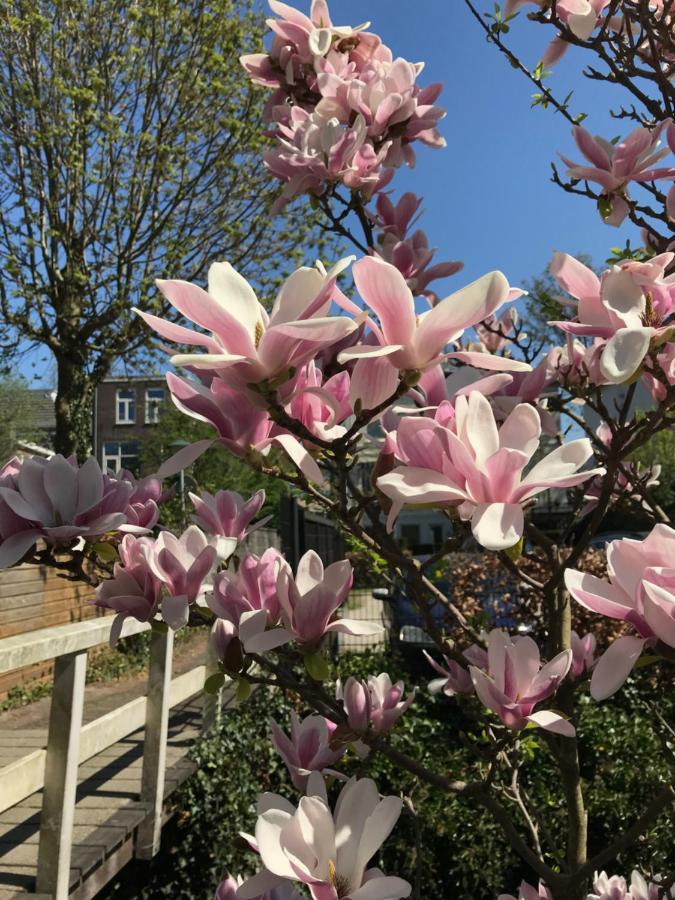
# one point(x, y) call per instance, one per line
point(78, 801)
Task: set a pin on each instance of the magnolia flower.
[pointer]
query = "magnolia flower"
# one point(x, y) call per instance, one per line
point(227, 890)
point(414, 342)
point(615, 888)
point(311, 598)
point(314, 152)
point(528, 892)
point(614, 166)
point(626, 307)
point(60, 501)
point(184, 566)
point(326, 851)
point(640, 591)
point(515, 682)
point(245, 345)
point(478, 467)
point(319, 405)
point(252, 587)
point(583, 654)
point(242, 429)
point(308, 748)
point(375, 703)
point(134, 589)
point(455, 679)
point(227, 516)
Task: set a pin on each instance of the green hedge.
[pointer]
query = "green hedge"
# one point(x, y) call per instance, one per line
point(453, 847)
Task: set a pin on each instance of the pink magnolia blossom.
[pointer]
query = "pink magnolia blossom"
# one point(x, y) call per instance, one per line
point(528, 892)
point(583, 654)
point(454, 678)
point(252, 587)
point(227, 516)
point(60, 501)
point(326, 851)
point(320, 405)
point(245, 632)
point(626, 307)
point(242, 429)
point(515, 682)
point(308, 747)
point(414, 342)
point(640, 591)
point(134, 589)
point(614, 166)
point(245, 345)
point(375, 703)
point(315, 152)
point(472, 464)
point(227, 890)
point(580, 16)
point(614, 887)
point(410, 254)
point(184, 565)
point(310, 600)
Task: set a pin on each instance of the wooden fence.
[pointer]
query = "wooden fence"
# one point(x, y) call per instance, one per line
point(54, 768)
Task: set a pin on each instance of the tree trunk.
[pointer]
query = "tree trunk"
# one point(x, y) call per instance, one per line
point(74, 396)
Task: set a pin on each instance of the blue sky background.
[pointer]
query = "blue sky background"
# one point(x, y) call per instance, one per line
point(488, 197)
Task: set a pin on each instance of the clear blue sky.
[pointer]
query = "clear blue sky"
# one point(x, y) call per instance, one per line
point(488, 196)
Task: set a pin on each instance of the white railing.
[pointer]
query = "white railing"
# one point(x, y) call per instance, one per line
point(69, 743)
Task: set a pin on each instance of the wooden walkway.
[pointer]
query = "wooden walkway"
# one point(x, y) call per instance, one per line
point(78, 801)
point(107, 812)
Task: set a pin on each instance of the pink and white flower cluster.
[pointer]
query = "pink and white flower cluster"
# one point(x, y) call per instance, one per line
point(264, 605)
point(641, 592)
point(326, 850)
point(344, 110)
point(461, 458)
point(628, 311)
point(375, 704)
point(60, 502)
point(248, 356)
point(169, 574)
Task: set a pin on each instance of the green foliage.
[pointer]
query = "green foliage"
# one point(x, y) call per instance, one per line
point(17, 416)
point(454, 846)
point(145, 141)
point(660, 450)
point(216, 470)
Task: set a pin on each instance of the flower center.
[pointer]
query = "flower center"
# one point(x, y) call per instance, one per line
point(340, 883)
point(259, 331)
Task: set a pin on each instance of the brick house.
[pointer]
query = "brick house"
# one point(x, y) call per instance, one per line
point(126, 412)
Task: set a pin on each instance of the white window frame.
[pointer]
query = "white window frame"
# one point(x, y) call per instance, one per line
point(153, 405)
point(129, 416)
point(113, 462)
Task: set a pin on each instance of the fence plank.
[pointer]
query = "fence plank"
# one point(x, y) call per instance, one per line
point(63, 751)
point(156, 730)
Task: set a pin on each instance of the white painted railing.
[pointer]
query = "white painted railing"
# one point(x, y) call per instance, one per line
point(69, 742)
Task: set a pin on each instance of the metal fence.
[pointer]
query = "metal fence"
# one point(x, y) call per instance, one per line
point(362, 606)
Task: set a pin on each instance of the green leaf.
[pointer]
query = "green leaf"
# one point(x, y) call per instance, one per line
point(317, 666)
point(243, 690)
point(214, 683)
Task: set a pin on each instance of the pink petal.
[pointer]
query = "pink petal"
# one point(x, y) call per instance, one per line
point(385, 291)
point(615, 665)
point(497, 526)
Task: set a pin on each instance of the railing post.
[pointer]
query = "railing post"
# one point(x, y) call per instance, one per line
point(154, 749)
point(212, 704)
point(63, 751)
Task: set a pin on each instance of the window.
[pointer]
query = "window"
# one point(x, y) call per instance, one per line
point(125, 407)
point(120, 455)
point(154, 398)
